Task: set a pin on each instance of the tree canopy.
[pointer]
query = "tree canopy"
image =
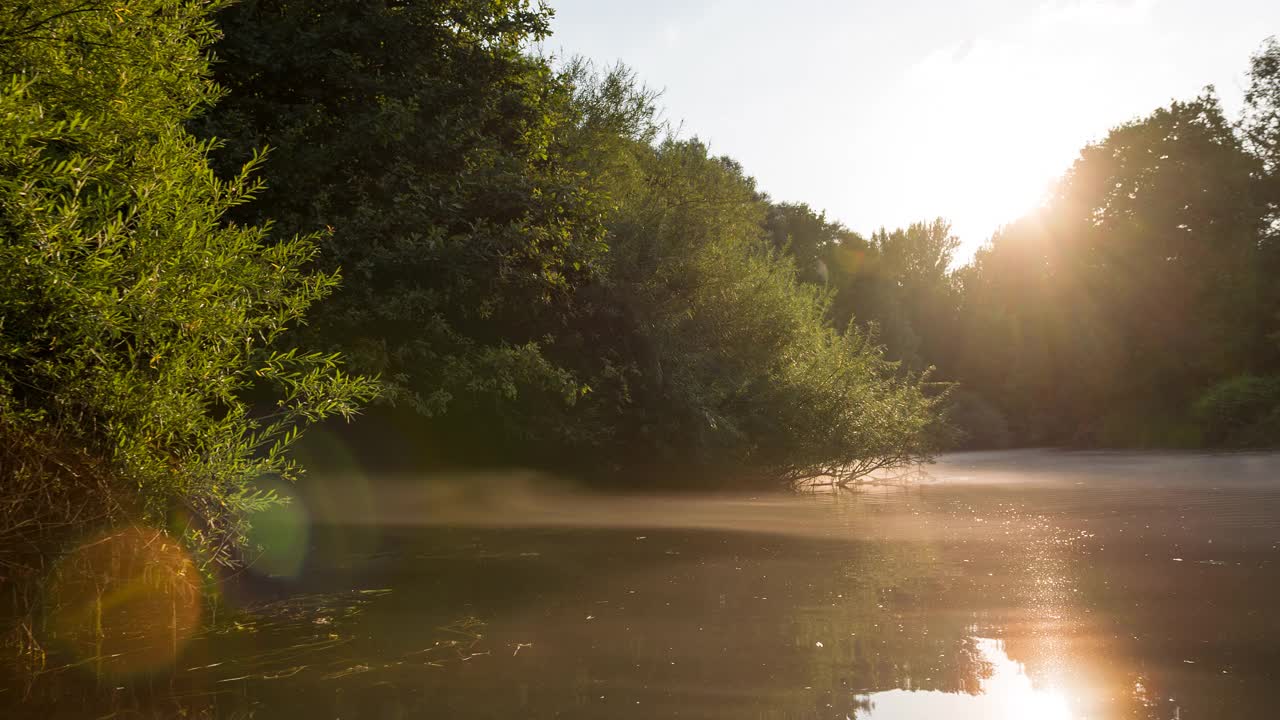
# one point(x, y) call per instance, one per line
point(133, 318)
point(423, 143)
point(533, 264)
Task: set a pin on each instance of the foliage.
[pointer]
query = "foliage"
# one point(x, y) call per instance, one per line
point(424, 143)
point(1146, 276)
point(898, 282)
point(524, 253)
point(719, 358)
point(132, 318)
point(919, 290)
point(1261, 121)
point(1260, 127)
point(806, 235)
point(1241, 410)
point(1137, 283)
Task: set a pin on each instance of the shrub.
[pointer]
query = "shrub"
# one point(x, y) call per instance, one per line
point(1239, 411)
point(133, 320)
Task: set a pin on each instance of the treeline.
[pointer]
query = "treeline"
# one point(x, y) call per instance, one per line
point(391, 208)
point(533, 265)
point(1138, 307)
point(1141, 305)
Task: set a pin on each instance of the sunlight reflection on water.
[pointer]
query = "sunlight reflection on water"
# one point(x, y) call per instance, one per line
point(1032, 585)
point(1008, 694)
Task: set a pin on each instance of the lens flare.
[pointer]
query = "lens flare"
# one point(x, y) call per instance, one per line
point(344, 517)
point(126, 601)
point(279, 536)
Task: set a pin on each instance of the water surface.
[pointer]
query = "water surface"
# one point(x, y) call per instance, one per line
point(1030, 584)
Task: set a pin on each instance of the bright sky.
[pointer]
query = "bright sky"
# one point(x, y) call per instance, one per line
point(889, 111)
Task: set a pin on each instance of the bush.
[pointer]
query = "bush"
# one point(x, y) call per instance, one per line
point(1242, 411)
point(133, 320)
point(727, 363)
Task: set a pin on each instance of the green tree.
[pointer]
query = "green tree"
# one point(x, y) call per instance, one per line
point(918, 287)
point(1261, 129)
point(133, 319)
point(1261, 122)
point(725, 362)
point(1160, 224)
point(1100, 317)
point(806, 235)
point(428, 147)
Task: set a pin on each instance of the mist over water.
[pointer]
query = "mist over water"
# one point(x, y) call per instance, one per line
point(1030, 584)
point(1096, 483)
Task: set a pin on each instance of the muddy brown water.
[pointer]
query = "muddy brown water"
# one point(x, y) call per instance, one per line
point(1028, 584)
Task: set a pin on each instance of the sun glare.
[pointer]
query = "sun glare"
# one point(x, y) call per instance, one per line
point(1008, 694)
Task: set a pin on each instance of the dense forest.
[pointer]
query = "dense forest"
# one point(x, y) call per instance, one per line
point(221, 223)
point(1137, 307)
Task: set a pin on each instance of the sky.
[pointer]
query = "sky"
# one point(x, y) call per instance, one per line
point(884, 112)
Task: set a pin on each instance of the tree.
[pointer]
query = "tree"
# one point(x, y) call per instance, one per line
point(1261, 129)
point(1160, 223)
point(915, 264)
point(426, 146)
point(1261, 122)
point(133, 318)
point(805, 235)
point(898, 282)
point(1099, 317)
point(723, 361)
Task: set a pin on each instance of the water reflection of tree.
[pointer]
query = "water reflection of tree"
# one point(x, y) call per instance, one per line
point(764, 627)
point(718, 625)
point(894, 625)
point(678, 623)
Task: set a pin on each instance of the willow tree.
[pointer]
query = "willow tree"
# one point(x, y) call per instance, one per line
point(133, 319)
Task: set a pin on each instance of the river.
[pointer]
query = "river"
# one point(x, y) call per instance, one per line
point(1025, 584)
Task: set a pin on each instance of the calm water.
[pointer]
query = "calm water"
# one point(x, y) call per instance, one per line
point(1003, 585)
